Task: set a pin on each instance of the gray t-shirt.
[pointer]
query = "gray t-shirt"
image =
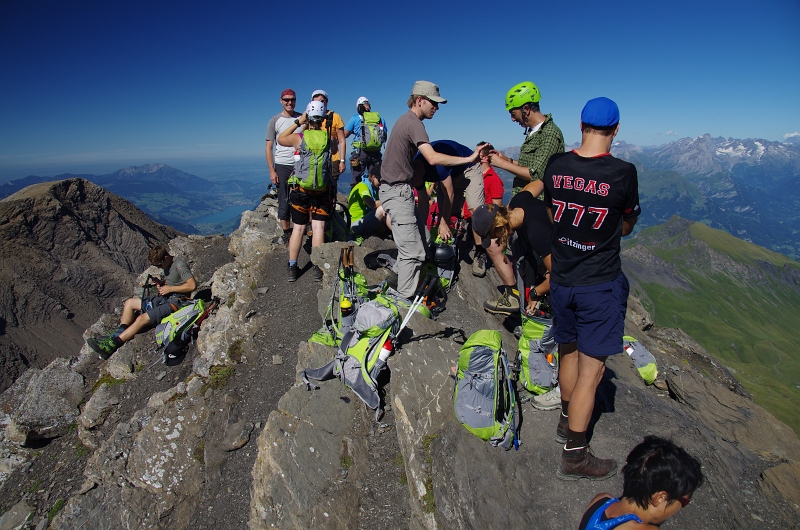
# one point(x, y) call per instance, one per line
point(178, 273)
point(408, 133)
point(283, 155)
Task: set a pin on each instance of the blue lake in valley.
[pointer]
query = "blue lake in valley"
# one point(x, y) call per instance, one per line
point(225, 215)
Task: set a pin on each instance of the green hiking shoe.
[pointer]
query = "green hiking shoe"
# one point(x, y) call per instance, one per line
point(504, 305)
point(103, 346)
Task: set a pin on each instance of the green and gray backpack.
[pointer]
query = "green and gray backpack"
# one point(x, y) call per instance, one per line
point(642, 359)
point(484, 396)
point(357, 363)
point(538, 354)
point(313, 171)
point(373, 133)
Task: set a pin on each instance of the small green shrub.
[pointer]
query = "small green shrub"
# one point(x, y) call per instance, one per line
point(235, 351)
point(199, 452)
point(219, 376)
point(108, 380)
point(231, 299)
point(54, 510)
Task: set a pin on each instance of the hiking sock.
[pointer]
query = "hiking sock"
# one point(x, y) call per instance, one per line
point(117, 341)
point(119, 330)
point(292, 262)
point(287, 232)
point(575, 440)
point(565, 408)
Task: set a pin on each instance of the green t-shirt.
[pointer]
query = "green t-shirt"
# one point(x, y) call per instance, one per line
point(356, 203)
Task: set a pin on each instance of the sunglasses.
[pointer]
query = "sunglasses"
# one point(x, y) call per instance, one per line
point(684, 501)
point(289, 100)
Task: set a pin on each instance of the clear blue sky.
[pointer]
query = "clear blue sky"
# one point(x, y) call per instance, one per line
point(123, 83)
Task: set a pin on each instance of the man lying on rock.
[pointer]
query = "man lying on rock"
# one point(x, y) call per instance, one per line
point(139, 314)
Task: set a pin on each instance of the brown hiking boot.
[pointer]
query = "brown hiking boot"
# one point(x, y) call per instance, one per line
point(581, 463)
point(561, 429)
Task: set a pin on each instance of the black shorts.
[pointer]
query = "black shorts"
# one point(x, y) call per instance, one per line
point(310, 205)
point(157, 307)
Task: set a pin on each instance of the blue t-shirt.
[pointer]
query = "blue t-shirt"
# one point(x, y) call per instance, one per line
point(354, 126)
point(446, 147)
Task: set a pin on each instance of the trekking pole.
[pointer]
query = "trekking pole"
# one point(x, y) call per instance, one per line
point(425, 289)
point(351, 287)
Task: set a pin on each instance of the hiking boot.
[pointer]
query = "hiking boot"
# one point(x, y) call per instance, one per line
point(317, 273)
point(549, 401)
point(581, 463)
point(294, 272)
point(103, 346)
point(561, 429)
point(504, 305)
point(479, 264)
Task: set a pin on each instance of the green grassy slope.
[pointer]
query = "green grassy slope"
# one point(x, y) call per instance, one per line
point(744, 308)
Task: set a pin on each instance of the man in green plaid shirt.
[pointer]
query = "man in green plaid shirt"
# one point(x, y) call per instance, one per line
point(543, 139)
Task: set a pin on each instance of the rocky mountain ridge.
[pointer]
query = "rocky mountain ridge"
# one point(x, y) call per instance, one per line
point(162, 447)
point(69, 248)
point(168, 195)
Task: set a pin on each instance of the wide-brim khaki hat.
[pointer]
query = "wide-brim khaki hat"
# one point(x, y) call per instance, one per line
point(428, 90)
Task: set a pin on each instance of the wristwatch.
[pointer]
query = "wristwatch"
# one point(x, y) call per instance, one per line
point(535, 294)
point(297, 122)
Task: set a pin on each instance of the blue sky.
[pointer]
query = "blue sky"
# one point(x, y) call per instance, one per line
point(91, 84)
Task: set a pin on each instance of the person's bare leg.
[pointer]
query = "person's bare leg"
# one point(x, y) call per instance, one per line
point(581, 400)
point(141, 322)
point(318, 235)
point(296, 241)
point(129, 309)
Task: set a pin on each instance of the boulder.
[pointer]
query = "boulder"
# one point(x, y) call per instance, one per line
point(47, 403)
point(309, 463)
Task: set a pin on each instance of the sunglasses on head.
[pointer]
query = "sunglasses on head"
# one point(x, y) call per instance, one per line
point(684, 501)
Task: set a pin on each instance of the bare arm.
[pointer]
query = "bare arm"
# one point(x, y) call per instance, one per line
point(535, 187)
point(627, 226)
point(185, 288)
point(441, 159)
point(273, 175)
point(501, 161)
point(445, 206)
point(342, 148)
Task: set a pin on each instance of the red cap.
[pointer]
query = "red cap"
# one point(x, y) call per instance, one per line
point(288, 92)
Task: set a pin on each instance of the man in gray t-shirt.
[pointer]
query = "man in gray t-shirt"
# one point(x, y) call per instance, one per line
point(178, 283)
point(397, 173)
point(281, 162)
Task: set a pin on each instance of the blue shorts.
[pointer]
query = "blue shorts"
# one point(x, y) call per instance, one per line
point(591, 315)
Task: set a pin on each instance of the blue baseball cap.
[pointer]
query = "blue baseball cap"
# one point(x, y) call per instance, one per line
point(600, 112)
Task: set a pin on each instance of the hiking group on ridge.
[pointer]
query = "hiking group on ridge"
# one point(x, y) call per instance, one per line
point(565, 220)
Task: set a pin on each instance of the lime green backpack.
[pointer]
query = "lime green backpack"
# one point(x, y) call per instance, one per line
point(357, 362)
point(373, 133)
point(538, 354)
point(484, 396)
point(642, 359)
point(313, 171)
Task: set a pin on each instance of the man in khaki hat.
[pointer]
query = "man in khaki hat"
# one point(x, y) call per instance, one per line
point(397, 173)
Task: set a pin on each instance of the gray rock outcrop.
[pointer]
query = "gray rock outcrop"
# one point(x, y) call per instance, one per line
point(69, 249)
point(43, 403)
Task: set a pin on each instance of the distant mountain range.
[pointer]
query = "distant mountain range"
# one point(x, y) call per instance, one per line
point(168, 195)
point(749, 188)
point(739, 301)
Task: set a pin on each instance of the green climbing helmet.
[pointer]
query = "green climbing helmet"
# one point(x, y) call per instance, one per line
point(525, 92)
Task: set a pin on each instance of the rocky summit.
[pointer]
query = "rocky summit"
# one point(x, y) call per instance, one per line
point(232, 438)
point(69, 247)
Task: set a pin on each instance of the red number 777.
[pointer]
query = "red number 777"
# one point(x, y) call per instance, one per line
point(579, 211)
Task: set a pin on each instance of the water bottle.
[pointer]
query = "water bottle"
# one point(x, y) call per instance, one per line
point(348, 313)
point(297, 155)
point(386, 350)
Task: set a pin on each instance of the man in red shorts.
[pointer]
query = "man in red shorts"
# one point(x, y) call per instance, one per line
point(593, 199)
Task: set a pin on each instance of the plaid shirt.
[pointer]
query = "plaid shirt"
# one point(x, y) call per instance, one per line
point(537, 150)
